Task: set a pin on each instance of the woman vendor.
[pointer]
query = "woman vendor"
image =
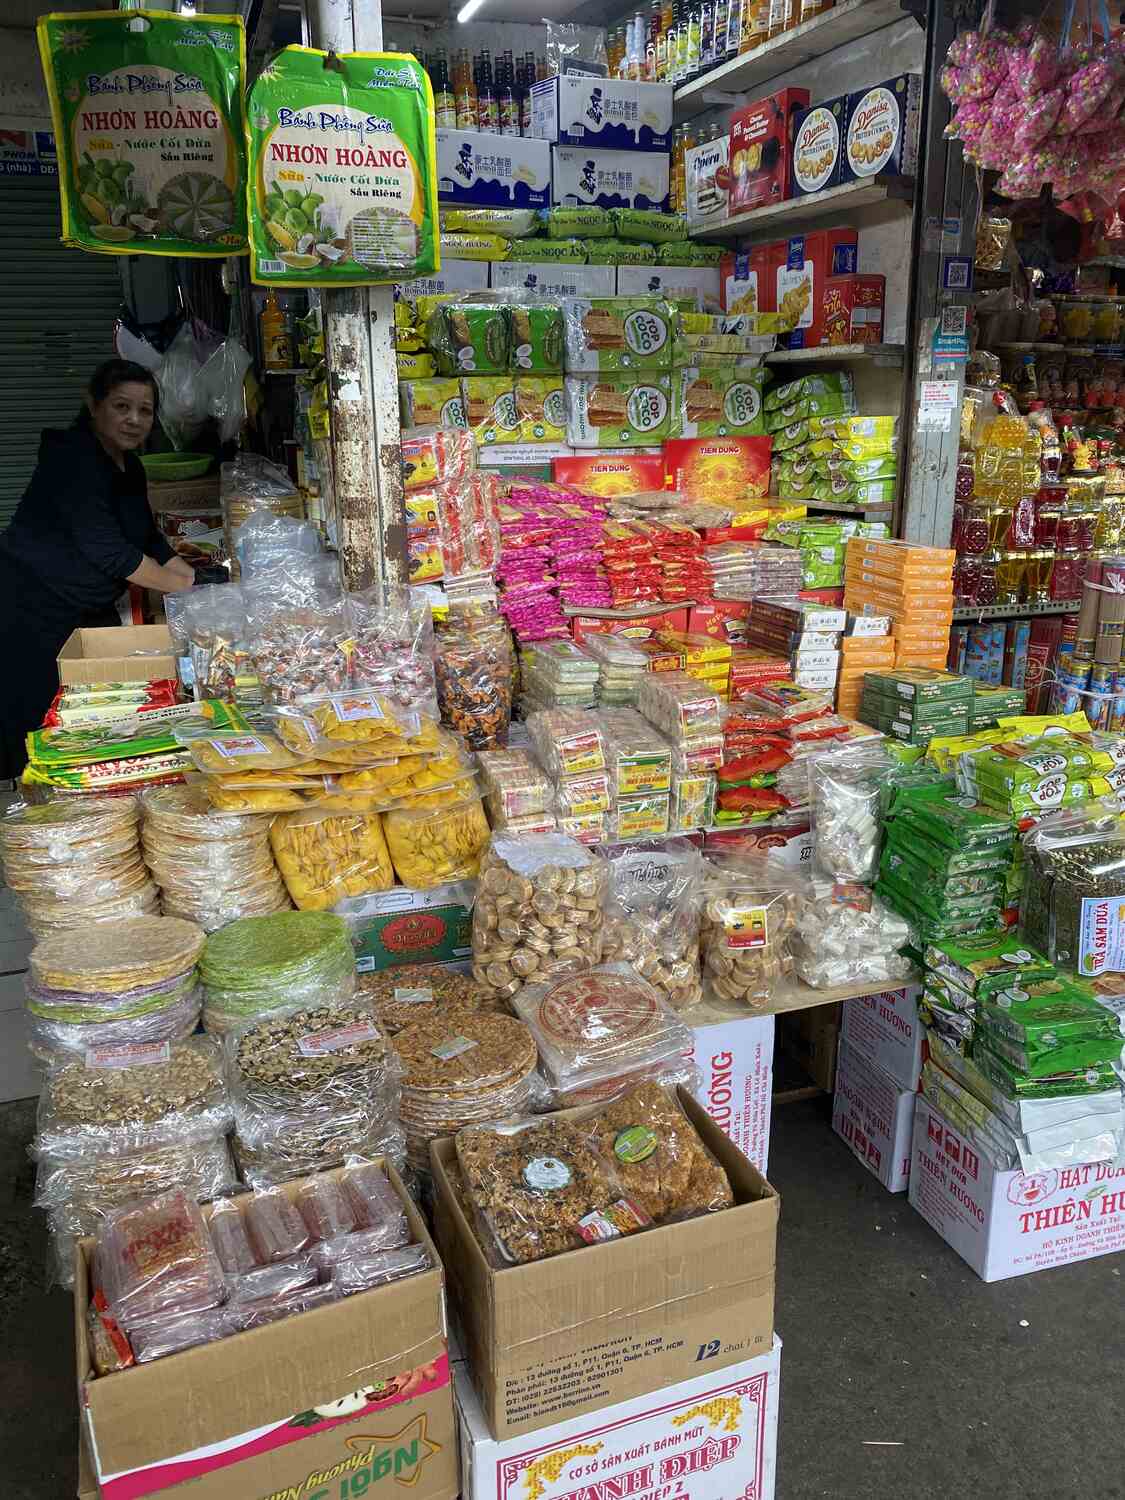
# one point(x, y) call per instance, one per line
point(82, 531)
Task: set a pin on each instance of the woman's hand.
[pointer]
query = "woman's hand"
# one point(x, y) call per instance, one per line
point(181, 570)
point(171, 577)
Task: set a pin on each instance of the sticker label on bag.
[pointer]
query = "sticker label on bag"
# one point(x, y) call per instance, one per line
point(454, 1047)
point(611, 1222)
point(320, 1043)
point(418, 995)
point(546, 1174)
point(128, 1055)
point(232, 748)
point(746, 927)
point(365, 706)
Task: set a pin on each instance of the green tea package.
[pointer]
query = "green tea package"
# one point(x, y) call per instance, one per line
point(343, 170)
point(149, 130)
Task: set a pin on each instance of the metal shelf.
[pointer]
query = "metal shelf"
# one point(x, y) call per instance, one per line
point(982, 612)
point(827, 354)
point(885, 509)
point(794, 213)
point(845, 23)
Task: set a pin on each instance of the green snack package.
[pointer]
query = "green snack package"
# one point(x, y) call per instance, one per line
point(858, 471)
point(648, 224)
point(1023, 763)
point(959, 824)
point(932, 928)
point(536, 338)
point(586, 223)
point(491, 414)
point(541, 403)
point(904, 836)
point(469, 338)
point(476, 246)
point(56, 748)
point(793, 436)
point(149, 130)
point(431, 403)
point(832, 382)
point(619, 333)
point(909, 683)
point(549, 252)
point(989, 964)
point(841, 491)
point(632, 409)
point(343, 171)
point(509, 223)
point(619, 253)
point(721, 402)
point(807, 408)
point(688, 253)
point(1050, 1028)
point(1019, 1085)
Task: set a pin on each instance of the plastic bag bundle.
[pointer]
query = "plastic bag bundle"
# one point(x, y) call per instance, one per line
point(158, 1258)
point(653, 915)
point(250, 483)
point(211, 867)
point(298, 629)
point(475, 665)
point(60, 1023)
point(324, 858)
point(262, 964)
point(392, 649)
point(844, 788)
point(542, 1186)
point(214, 623)
point(849, 937)
point(267, 541)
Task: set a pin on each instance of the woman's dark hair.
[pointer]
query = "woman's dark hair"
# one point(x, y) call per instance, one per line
point(114, 372)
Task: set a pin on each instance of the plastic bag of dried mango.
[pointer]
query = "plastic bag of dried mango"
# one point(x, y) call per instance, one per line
point(343, 170)
point(430, 846)
point(324, 858)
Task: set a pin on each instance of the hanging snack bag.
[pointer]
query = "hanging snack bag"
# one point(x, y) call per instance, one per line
point(149, 129)
point(343, 177)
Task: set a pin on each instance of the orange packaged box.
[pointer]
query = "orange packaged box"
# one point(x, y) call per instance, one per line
point(852, 309)
point(725, 471)
point(904, 554)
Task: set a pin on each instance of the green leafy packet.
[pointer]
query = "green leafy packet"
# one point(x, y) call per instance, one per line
point(469, 338)
point(1030, 762)
point(857, 470)
point(939, 902)
point(688, 253)
point(117, 740)
point(343, 170)
point(832, 382)
point(549, 252)
point(602, 252)
point(989, 964)
point(1016, 1084)
point(583, 223)
point(950, 994)
point(1051, 792)
point(149, 131)
point(508, 223)
point(1050, 1028)
point(930, 928)
point(648, 224)
point(933, 885)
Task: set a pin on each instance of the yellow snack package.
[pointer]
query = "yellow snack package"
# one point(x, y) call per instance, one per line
point(541, 408)
point(430, 847)
point(251, 799)
point(489, 404)
point(324, 857)
point(1074, 723)
point(220, 753)
point(347, 728)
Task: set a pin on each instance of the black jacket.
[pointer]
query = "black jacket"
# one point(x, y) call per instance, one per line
point(83, 524)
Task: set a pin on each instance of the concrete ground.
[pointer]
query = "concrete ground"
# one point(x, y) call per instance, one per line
point(904, 1377)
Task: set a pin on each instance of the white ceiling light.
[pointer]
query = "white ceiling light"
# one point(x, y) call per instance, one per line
point(470, 9)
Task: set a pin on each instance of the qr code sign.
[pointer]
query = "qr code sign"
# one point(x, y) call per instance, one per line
point(954, 321)
point(957, 274)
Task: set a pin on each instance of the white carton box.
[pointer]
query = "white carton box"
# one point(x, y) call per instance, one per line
point(874, 1116)
point(577, 110)
point(885, 1028)
point(1011, 1223)
point(712, 1436)
point(668, 281)
point(707, 182)
point(735, 1056)
point(455, 276)
point(582, 178)
point(553, 279)
point(492, 171)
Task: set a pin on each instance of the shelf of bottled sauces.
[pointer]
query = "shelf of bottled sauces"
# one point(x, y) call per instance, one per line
point(675, 41)
point(474, 91)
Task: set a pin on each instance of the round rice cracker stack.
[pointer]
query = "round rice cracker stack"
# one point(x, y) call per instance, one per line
point(113, 956)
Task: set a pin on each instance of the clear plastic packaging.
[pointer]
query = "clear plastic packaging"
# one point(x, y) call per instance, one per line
point(157, 1258)
point(429, 847)
point(284, 1305)
point(260, 964)
point(297, 627)
point(214, 621)
point(653, 915)
point(121, 1103)
point(101, 1183)
point(411, 992)
point(515, 787)
point(538, 913)
point(267, 542)
point(569, 742)
point(249, 484)
point(544, 1186)
point(53, 1039)
point(170, 1333)
point(600, 1024)
point(227, 1229)
point(375, 1204)
point(57, 833)
point(225, 753)
point(474, 662)
point(312, 1056)
point(1074, 856)
point(846, 936)
point(325, 1208)
point(273, 1145)
point(392, 650)
point(275, 1226)
point(469, 528)
point(748, 915)
point(638, 758)
point(324, 858)
point(358, 1271)
point(844, 791)
point(680, 706)
point(274, 1280)
point(109, 957)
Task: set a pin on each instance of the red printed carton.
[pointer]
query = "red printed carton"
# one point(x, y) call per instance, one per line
point(761, 149)
point(852, 312)
point(810, 260)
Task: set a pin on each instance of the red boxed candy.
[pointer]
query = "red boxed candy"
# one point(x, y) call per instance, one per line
point(761, 149)
point(852, 311)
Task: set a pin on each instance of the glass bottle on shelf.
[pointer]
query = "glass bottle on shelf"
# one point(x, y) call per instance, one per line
point(1010, 568)
point(465, 93)
point(488, 112)
point(734, 28)
point(445, 105)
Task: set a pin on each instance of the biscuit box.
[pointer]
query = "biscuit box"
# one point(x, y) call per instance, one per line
point(710, 1435)
point(818, 142)
point(761, 149)
point(551, 279)
point(669, 281)
point(874, 1115)
point(584, 178)
point(719, 470)
point(630, 409)
point(619, 333)
point(744, 283)
point(611, 474)
point(455, 276)
point(553, 1339)
point(492, 171)
point(707, 177)
point(882, 129)
point(410, 927)
point(613, 114)
point(800, 278)
point(852, 309)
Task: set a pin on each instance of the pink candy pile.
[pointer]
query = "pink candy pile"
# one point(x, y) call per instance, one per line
point(550, 554)
point(1040, 115)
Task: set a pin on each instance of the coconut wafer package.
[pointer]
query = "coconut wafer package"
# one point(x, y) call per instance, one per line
point(343, 170)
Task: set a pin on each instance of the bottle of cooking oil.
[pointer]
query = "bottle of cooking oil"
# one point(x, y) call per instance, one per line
point(445, 107)
point(277, 339)
point(465, 92)
point(676, 179)
point(1006, 463)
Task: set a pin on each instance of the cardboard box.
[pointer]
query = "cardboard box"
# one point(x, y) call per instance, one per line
point(669, 281)
point(109, 654)
point(609, 113)
point(455, 276)
point(723, 470)
point(873, 1115)
point(735, 1056)
point(553, 1339)
point(882, 129)
point(801, 274)
point(240, 1416)
point(811, 1037)
point(852, 309)
point(887, 1030)
point(707, 179)
point(492, 171)
point(744, 285)
point(818, 140)
point(409, 927)
point(761, 149)
point(582, 178)
point(638, 627)
point(611, 474)
point(713, 1434)
point(1008, 1224)
point(549, 279)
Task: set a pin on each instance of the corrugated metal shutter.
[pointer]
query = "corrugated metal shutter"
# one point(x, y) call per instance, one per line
point(57, 310)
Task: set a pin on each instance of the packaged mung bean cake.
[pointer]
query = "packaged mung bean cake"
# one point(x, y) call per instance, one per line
point(343, 175)
point(147, 109)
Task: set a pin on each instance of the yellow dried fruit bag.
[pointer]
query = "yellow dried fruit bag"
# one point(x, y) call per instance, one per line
point(323, 857)
point(429, 848)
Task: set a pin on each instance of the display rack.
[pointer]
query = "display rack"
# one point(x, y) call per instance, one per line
point(849, 200)
point(978, 613)
point(839, 354)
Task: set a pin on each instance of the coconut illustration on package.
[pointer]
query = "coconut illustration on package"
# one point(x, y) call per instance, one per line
point(343, 185)
point(149, 131)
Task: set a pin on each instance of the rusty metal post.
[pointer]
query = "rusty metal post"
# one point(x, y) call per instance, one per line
point(362, 384)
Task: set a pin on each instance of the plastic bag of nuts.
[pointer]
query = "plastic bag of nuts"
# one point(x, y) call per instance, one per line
point(748, 915)
point(652, 918)
point(539, 911)
point(474, 662)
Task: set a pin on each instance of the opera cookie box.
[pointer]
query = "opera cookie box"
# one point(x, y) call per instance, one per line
point(882, 129)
